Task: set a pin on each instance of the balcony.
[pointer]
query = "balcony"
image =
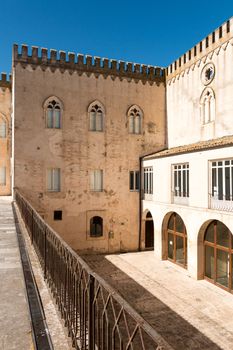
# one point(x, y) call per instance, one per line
point(180, 198)
point(225, 204)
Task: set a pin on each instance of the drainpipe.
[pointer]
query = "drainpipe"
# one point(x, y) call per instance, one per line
point(140, 204)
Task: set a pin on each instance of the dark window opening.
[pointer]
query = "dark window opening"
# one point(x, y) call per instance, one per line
point(201, 46)
point(228, 26)
point(57, 215)
point(195, 51)
point(134, 180)
point(207, 41)
point(96, 226)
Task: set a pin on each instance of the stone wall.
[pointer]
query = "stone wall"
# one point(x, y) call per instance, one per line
point(77, 151)
point(5, 142)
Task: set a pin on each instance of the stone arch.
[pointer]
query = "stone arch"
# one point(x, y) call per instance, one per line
point(215, 253)
point(174, 239)
point(147, 224)
point(200, 249)
point(164, 228)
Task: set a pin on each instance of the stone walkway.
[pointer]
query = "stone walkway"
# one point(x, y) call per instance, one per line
point(189, 314)
point(15, 328)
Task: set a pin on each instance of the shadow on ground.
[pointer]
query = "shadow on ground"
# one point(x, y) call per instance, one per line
point(179, 333)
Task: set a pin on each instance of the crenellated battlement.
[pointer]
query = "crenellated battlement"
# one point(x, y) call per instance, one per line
point(217, 38)
point(5, 81)
point(70, 61)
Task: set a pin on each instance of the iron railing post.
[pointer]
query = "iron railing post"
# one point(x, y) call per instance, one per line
point(45, 253)
point(32, 228)
point(91, 327)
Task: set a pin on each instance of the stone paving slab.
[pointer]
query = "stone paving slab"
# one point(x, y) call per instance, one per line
point(15, 327)
point(189, 314)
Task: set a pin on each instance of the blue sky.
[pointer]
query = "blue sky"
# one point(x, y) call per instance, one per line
point(148, 32)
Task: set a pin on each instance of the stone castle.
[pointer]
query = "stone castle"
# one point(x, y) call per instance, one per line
point(122, 157)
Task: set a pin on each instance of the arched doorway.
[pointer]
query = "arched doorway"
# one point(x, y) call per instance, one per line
point(149, 231)
point(176, 240)
point(218, 255)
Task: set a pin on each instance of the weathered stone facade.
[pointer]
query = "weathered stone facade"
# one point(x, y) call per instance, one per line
point(76, 150)
point(5, 135)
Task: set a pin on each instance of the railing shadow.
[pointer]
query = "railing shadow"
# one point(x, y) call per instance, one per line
point(96, 316)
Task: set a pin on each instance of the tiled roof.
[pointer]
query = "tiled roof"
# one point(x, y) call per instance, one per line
point(194, 147)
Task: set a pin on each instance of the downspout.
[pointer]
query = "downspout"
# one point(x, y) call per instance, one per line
point(140, 204)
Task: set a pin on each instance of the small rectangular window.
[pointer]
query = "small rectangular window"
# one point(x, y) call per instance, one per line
point(54, 180)
point(228, 26)
point(134, 180)
point(207, 42)
point(195, 51)
point(201, 46)
point(2, 176)
point(57, 215)
point(96, 178)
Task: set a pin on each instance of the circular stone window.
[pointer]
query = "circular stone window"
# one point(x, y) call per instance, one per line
point(208, 73)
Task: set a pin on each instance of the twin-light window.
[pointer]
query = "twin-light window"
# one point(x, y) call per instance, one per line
point(96, 113)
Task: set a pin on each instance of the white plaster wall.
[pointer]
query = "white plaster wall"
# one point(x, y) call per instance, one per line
point(183, 99)
point(197, 212)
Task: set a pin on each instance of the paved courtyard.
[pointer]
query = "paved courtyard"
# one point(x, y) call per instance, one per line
point(189, 314)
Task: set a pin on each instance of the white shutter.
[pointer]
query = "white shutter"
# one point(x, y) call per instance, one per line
point(3, 176)
point(57, 118)
point(99, 121)
point(49, 118)
point(49, 179)
point(92, 121)
point(131, 124)
point(2, 129)
point(56, 180)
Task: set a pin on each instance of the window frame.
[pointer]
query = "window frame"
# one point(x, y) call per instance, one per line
point(134, 113)
point(94, 181)
point(207, 106)
point(52, 179)
point(148, 185)
point(98, 106)
point(135, 182)
point(214, 190)
point(90, 227)
point(57, 102)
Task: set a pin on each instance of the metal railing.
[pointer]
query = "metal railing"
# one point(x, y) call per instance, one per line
point(96, 316)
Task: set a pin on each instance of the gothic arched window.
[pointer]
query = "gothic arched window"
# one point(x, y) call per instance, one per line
point(53, 111)
point(96, 116)
point(135, 120)
point(207, 106)
point(96, 226)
